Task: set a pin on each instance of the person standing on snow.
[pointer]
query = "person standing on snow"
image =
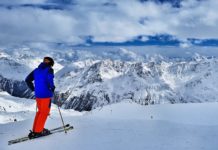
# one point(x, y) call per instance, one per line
point(44, 87)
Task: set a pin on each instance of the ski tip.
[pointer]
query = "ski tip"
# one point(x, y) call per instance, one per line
point(10, 142)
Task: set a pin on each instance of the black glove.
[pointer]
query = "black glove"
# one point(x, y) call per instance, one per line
point(32, 89)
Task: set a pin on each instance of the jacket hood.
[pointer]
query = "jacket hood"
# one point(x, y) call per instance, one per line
point(43, 66)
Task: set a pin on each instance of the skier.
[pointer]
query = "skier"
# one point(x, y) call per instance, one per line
point(44, 87)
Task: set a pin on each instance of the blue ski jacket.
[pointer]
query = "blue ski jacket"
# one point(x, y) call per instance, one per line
point(43, 77)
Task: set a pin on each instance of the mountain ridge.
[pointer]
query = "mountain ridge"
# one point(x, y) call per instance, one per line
point(97, 78)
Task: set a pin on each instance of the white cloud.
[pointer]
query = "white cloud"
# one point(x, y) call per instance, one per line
point(26, 24)
point(195, 19)
point(22, 1)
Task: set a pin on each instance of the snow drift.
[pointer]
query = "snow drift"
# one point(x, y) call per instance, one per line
point(127, 125)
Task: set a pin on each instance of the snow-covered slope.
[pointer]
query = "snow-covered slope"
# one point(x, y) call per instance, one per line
point(127, 125)
point(14, 109)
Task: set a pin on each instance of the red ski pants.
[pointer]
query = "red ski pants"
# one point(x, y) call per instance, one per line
point(43, 105)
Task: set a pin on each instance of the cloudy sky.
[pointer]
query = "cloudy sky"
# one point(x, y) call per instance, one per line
point(109, 21)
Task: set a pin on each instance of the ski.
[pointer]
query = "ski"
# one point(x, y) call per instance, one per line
point(54, 130)
point(61, 127)
point(62, 130)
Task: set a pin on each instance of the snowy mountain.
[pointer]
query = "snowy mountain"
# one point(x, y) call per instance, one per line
point(154, 82)
point(86, 79)
point(11, 75)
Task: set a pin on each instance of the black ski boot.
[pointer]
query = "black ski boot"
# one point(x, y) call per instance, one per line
point(45, 132)
point(33, 135)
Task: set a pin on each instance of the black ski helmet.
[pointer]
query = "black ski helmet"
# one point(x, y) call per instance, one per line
point(51, 61)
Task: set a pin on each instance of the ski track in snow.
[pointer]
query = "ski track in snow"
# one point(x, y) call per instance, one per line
point(125, 125)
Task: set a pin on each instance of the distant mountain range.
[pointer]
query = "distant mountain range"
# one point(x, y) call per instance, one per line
point(86, 79)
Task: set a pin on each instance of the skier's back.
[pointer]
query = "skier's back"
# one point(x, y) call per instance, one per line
point(44, 87)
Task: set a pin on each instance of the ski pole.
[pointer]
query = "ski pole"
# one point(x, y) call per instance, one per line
point(73, 87)
point(59, 103)
point(62, 120)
